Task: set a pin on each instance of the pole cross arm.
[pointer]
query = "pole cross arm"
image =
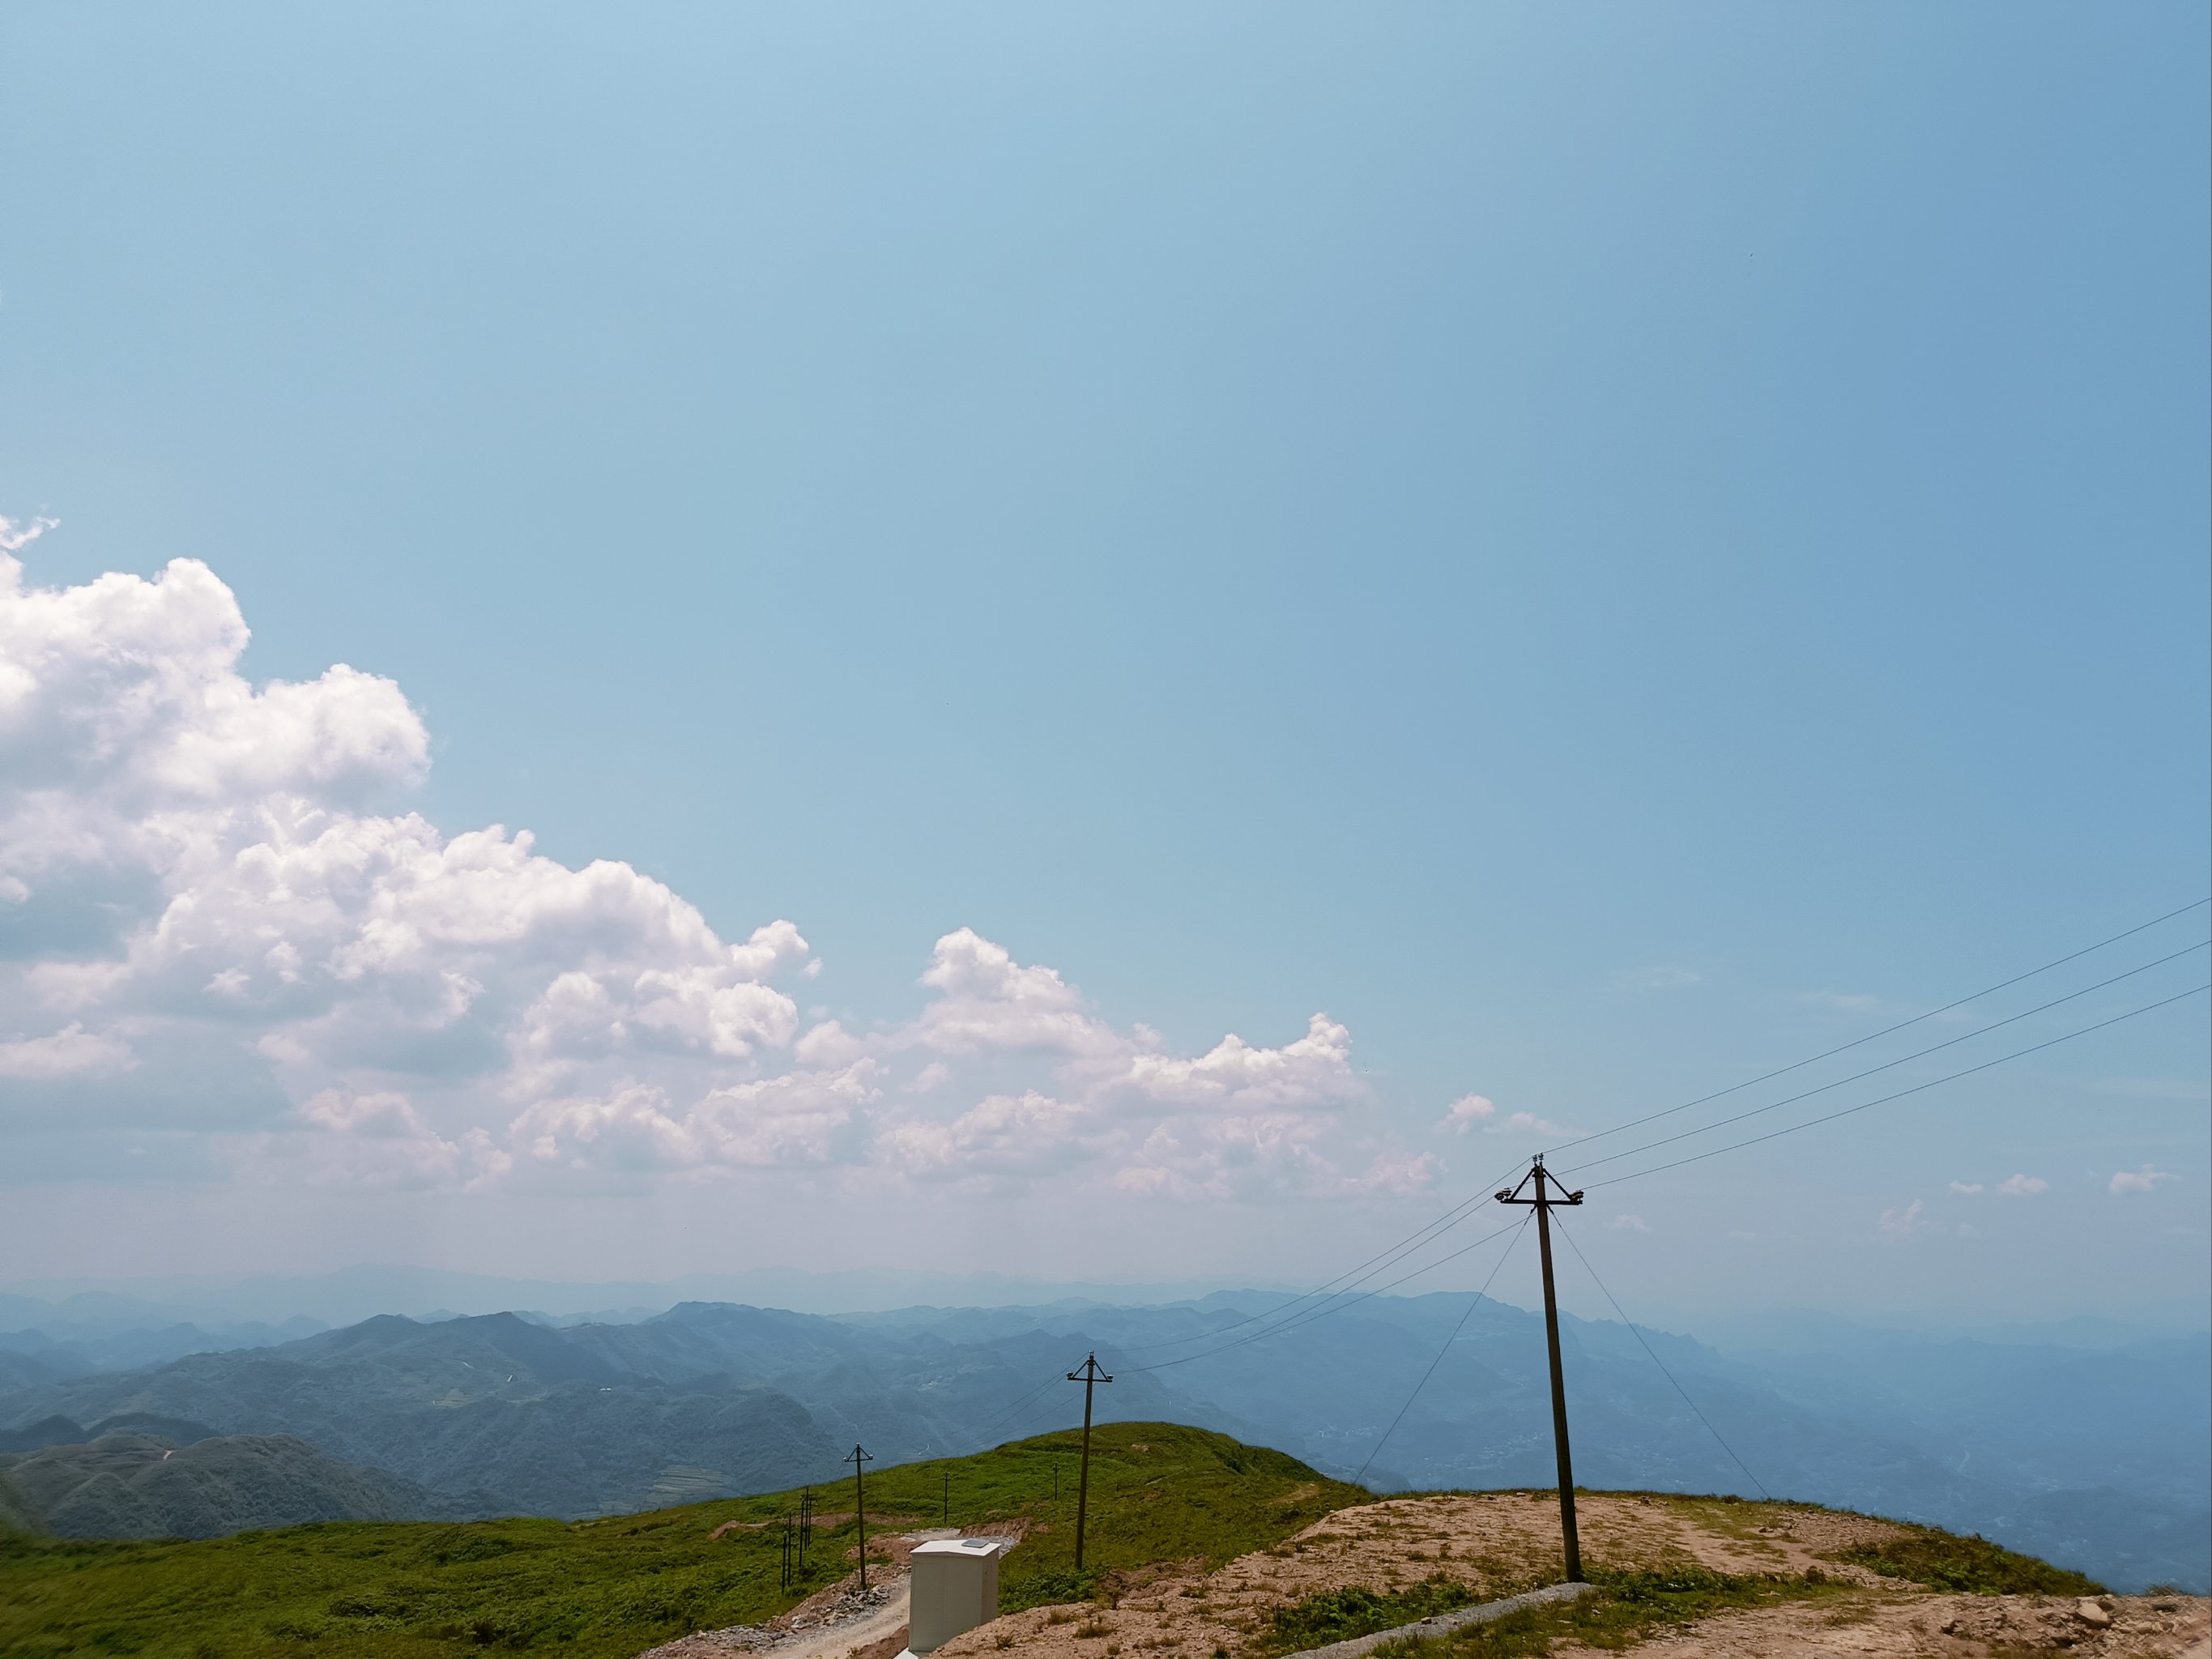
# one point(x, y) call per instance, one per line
point(1537, 1172)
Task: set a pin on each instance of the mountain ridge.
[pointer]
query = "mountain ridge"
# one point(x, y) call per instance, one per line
point(506, 1413)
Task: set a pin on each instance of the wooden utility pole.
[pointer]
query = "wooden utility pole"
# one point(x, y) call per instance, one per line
point(1089, 1376)
point(1544, 1202)
point(857, 1457)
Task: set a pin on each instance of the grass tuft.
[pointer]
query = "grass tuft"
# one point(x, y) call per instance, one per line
point(1626, 1608)
point(608, 1588)
point(1340, 1614)
point(1971, 1566)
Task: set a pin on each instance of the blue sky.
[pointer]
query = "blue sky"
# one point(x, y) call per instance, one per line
point(1604, 550)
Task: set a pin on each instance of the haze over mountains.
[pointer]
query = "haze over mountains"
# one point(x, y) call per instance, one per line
point(2084, 1443)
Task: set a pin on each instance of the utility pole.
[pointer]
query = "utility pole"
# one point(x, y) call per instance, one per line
point(805, 1522)
point(948, 1498)
point(857, 1457)
point(1089, 1376)
point(1544, 1202)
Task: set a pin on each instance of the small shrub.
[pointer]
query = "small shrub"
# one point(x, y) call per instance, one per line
point(1970, 1566)
point(1046, 1587)
point(1339, 1615)
point(1627, 1606)
point(1092, 1627)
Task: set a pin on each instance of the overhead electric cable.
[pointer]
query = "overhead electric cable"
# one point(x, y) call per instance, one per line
point(1322, 1313)
point(1798, 1066)
point(1396, 1253)
point(1917, 1088)
point(1856, 1077)
point(1458, 1212)
point(1008, 1411)
point(1038, 1412)
point(1657, 1361)
point(1442, 1352)
point(1333, 1291)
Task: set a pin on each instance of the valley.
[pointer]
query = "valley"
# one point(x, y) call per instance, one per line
point(2098, 1457)
point(1200, 1548)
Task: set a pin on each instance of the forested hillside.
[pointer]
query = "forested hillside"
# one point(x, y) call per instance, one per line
point(2097, 1459)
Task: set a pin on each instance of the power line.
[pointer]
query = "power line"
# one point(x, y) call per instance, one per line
point(1025, 1418)
point(1335, 1293)
point(1024, 1413)
point(1322, 1313)
point(1949, 1043)
point(1696, 1157)
point(1340, 1306)
point(1390, 1258)
point(1008, 1411)
point(1768, 1077)
point(1660, 1362)
point(1397, 1252)
point(1037, 1413)
point(1441, 1353)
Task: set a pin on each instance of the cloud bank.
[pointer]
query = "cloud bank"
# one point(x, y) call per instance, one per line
point(219, 922)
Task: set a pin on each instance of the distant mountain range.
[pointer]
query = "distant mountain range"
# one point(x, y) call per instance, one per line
point(2097, 1457)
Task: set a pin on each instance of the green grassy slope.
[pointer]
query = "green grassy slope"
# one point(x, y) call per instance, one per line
point(1158, 1492)
point(138, 1486)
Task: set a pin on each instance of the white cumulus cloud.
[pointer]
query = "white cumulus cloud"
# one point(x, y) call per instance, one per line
point(16, 534)
point(2145, 1180)
point(1900, 1223)
point(217, 890)
point(1528, 1123)
point(2022, 1186)
point(1467, 1112)
point(70, 1052)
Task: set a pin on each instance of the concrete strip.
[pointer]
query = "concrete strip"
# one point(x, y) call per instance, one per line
point(1481, 1613)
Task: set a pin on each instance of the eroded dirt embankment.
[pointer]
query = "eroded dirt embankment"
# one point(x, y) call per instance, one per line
point(1498, 1542)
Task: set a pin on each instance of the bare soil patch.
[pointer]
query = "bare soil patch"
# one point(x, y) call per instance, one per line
point(1496, 1543)
point(1879, 1625)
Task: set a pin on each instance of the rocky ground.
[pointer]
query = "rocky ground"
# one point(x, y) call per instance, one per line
point(1497, 1542)
point(1945, 1627)
point(1502, 1541)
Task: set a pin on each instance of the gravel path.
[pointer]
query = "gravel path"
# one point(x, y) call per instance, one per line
point(842, 1626)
